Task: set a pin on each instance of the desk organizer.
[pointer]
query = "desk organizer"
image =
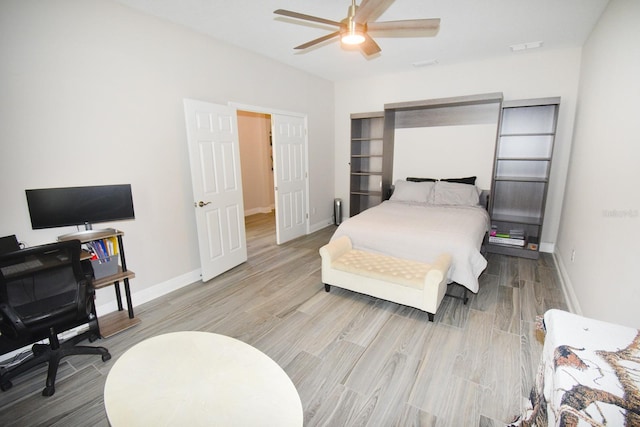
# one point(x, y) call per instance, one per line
point(104, 267)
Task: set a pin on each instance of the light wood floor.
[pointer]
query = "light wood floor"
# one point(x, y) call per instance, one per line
point(355, 360)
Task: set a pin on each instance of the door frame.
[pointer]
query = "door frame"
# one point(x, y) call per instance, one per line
point(271, 111)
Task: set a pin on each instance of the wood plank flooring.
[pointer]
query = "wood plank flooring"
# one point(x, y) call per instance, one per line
point(355, 360)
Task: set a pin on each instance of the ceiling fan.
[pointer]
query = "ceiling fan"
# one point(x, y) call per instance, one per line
point(355, 28)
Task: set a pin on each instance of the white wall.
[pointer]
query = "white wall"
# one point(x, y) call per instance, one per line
point(92, 93)
point(601, 216)
point(535, 74)
point(416, 150)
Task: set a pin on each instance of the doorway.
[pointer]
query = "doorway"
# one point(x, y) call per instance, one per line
point(273, 147)
point(254, 133)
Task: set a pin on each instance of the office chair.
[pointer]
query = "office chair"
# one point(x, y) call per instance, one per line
point(43, 292)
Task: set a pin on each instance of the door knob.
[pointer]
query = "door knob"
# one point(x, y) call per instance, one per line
point(201, 203)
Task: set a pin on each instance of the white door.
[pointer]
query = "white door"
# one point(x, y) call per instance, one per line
point(212, 136)
point(290, 172)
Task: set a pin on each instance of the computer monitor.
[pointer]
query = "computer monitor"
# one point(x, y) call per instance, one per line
point(59, 207)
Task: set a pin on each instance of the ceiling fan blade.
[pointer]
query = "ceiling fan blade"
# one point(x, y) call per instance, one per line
point(369, 10)
point(297, 15)
point(410, 27)
point(318, 40)
point(369, 47)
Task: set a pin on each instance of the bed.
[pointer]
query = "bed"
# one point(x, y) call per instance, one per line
point(589, 374)
point(422, 220)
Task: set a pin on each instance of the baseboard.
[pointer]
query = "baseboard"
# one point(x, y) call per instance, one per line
point(147, 294)
point(566, 286)
point(320, 225)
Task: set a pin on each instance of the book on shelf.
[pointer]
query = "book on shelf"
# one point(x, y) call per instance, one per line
point(511, 241)
point(102, 249)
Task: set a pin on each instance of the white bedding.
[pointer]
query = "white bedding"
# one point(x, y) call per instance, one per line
point(421, 232)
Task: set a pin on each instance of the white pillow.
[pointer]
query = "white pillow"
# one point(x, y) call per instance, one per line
point(407, 191)
point(452, 193)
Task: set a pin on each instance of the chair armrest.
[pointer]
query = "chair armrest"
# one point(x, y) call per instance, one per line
point(86, 294)
point(11, 323)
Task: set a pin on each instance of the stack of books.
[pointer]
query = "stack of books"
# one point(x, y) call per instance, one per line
point(512, 238)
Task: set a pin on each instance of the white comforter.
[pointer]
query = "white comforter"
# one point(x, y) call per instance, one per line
point(421, 233)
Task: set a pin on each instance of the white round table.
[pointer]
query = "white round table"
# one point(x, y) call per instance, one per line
point(199, 378)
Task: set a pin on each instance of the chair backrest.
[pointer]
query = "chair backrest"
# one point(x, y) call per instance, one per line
point(41, 287)
point(9, 244)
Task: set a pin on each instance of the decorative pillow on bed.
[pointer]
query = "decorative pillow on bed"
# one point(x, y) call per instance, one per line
point(406, 191)
point(471, 180)
point(452, 193)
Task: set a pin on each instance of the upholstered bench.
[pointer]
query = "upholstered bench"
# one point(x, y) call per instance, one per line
point(412, 283)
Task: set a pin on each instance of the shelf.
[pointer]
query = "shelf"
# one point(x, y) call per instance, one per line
point(91, 235)
point(118, 321)
point(124, 318)
point(520, 179)
point(366, 193)
point(532, 159)
point(110, 280)
point(370, 166)
point(364, 173)
point(528, 134)
point(518, 219)
point(512, 251)
point(371, 138)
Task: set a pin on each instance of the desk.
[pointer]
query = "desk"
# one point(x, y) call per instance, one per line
point(199, 378)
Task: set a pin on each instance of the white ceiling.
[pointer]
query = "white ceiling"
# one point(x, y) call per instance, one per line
point(469, 30)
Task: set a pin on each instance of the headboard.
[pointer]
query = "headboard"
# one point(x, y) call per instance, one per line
point(484, 198)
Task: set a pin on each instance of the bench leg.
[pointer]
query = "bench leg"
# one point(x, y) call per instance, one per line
point(327, 288)
point(430, 316)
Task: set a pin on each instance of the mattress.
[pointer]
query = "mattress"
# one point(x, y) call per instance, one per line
point(421, 232)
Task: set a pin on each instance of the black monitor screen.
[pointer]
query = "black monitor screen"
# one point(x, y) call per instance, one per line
point(59, 207)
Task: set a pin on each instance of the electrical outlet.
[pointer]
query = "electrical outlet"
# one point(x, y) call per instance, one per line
point(573, 255)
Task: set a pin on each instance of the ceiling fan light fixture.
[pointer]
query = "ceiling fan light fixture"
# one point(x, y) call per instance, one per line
point(352, 38)
point(353, 35)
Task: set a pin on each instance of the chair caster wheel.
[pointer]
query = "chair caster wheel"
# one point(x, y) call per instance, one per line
point(48, 391)
point(106, 357)
point(6, 385)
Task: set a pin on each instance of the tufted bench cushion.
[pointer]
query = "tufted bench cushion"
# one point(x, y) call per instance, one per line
point(416, 284)
point(383, 267)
